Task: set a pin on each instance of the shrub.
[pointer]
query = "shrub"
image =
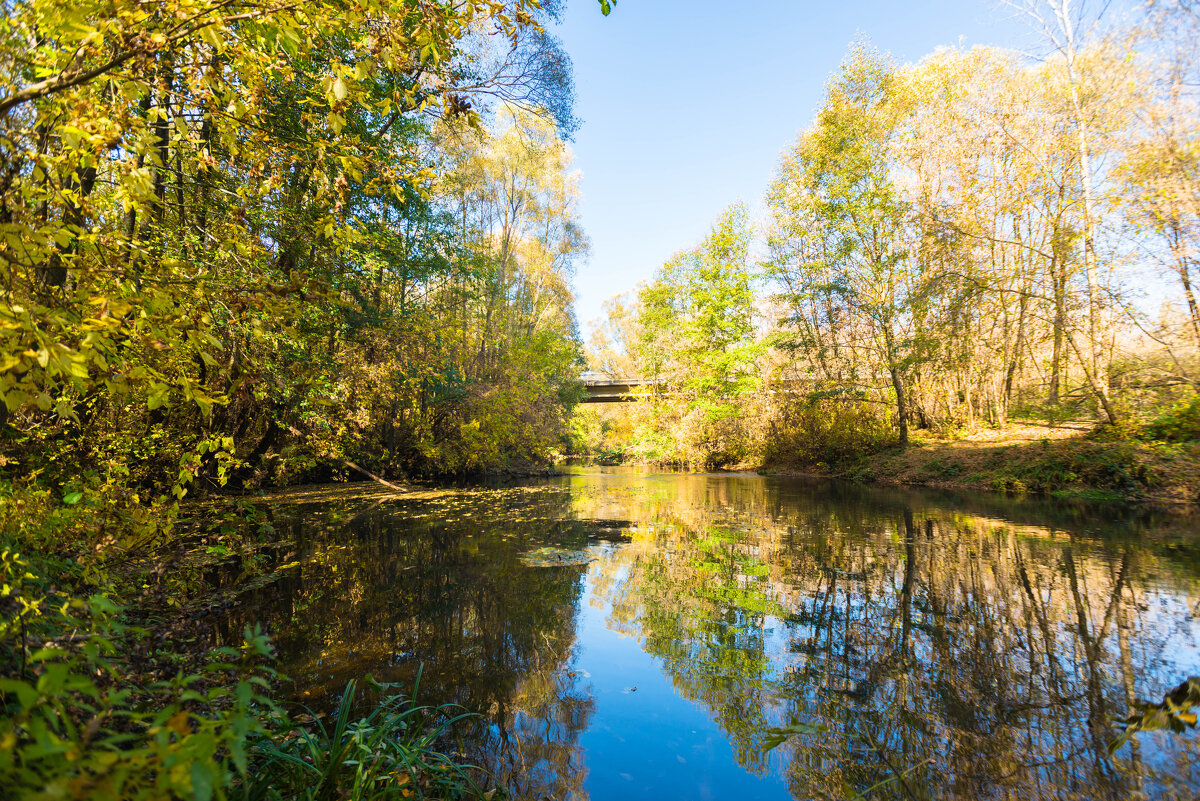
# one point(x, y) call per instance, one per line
point(1179, 423)
point(828, 431)
point(76, 727)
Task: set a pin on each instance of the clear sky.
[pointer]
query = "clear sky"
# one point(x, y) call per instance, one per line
point(686, 107)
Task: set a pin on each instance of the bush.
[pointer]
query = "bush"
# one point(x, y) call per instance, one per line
point(76, 727)
point(828, 431)
point(1180, 423)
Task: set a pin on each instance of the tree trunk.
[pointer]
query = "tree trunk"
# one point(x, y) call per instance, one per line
point(901, 405)
point(1059, 279)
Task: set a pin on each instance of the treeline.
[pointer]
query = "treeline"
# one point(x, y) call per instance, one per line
point(948, 244)
point(255, 243)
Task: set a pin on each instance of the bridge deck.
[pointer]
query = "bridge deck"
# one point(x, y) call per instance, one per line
point(620, 390)
point(611, 390)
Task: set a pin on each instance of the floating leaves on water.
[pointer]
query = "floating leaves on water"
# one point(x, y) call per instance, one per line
point(555, 557)
point(1174, 713)
point(777, 736)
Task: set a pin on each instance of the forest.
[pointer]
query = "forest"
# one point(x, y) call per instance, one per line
point(254, 245)
point(956, 244)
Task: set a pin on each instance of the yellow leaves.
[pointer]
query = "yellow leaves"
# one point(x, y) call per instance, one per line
point(430, 53)
point(339, 89)
point(351, 166)
point(94, 344)
point(212, 35)
point(76, 365)
point(179, 723)
point(137, 186)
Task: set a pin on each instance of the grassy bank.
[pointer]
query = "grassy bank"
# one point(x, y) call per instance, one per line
point(1065, 461)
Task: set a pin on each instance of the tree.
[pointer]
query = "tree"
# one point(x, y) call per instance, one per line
point(1161, 171)
point(1067, 28)
point(836, 195)
point(198, 197)
point(698, 341)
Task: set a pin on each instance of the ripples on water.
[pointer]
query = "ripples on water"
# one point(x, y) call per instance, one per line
point(894, 644)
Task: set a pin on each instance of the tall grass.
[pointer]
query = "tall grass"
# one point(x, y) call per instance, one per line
point(394, 752)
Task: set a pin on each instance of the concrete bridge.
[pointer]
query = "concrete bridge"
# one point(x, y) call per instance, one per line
point(620, 390)
point(611, 390)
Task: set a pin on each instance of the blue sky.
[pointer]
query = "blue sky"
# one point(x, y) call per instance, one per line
point(686, 107)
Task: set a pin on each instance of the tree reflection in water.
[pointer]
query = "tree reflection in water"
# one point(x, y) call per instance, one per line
point(919, 645)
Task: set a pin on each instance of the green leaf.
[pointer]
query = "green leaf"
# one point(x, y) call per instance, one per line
point(202, 781)
point(72, 498)
point(158, 395)
point(26, 695)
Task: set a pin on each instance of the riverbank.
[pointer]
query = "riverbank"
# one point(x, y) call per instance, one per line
point(114, 687)
point(1070, 461)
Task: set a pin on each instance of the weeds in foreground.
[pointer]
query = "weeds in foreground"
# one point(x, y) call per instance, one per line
point(391, 753)
point(79, 721)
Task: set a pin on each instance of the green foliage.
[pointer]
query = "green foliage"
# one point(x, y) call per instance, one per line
point(75, 727)
point(1179, 423)
point(81, 522)
point(246, 244)
point(840, 243)
point(81, 723)
point(390, 753)
point(1111, 465)
point(1008, 484)
point(697, 339)
point(236, 247)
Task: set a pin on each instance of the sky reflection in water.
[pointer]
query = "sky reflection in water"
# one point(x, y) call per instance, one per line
point(921, 645)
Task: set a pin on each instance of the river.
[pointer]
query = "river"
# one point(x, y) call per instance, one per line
point(636, 635)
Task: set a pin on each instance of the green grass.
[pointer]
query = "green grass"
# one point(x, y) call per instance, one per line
point(391, 753)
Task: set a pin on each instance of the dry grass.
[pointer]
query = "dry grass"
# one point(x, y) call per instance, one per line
point(1067, 460)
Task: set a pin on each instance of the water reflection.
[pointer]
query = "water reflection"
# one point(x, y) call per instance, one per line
point(903, 645)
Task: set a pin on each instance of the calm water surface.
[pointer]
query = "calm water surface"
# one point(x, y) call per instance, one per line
point(892, 644)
